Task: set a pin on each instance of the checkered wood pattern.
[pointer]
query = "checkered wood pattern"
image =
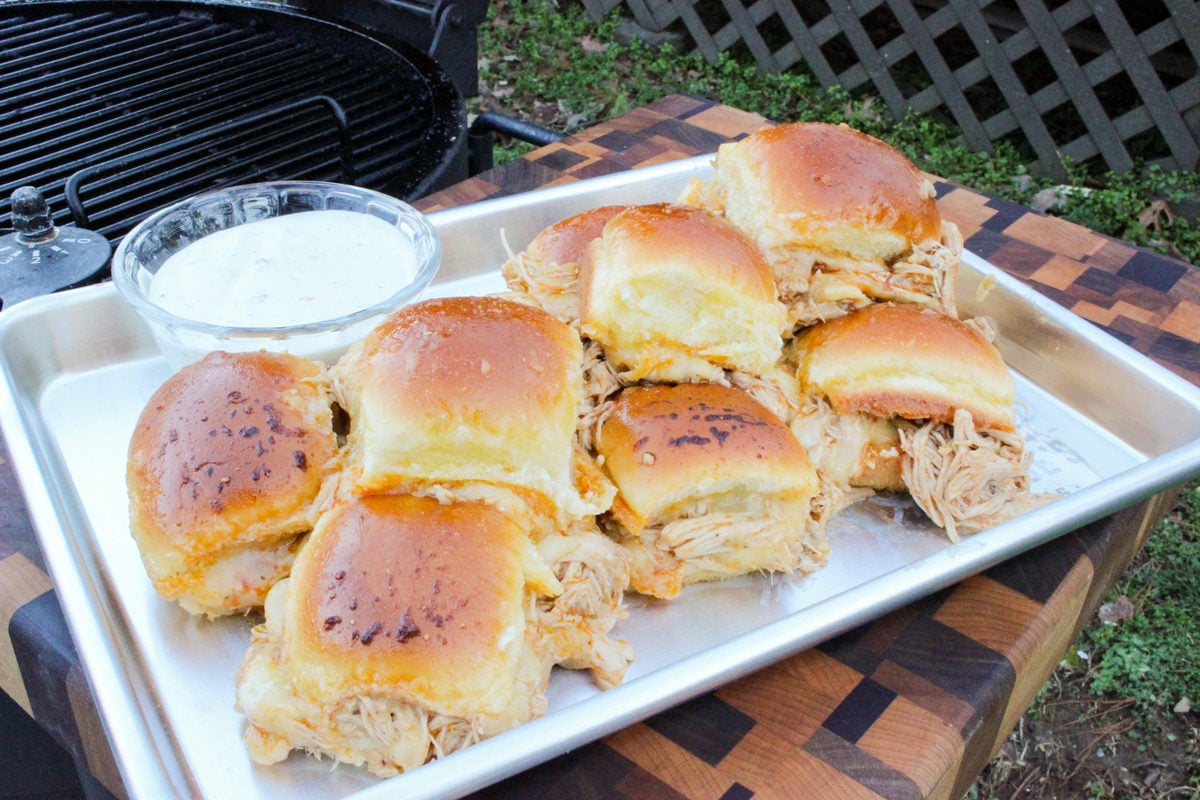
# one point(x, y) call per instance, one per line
point(911, 705)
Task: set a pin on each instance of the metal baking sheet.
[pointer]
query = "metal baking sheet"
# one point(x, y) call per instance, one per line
point(1108, 428)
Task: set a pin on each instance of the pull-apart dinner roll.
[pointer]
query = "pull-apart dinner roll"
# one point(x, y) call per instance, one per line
point(674, 293)
point(902, 397)
point(548, 268)
point(710, 485)
point(407, 630)
point(469, 390)
point(844, 219)
point(225, 472)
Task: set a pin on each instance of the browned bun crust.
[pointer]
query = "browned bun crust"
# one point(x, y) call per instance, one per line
point(666, 283)
point(566, 241)
point(230, 451)
point(836, 187)
point(406, 597)
point(665, 446)
point(906, 361)
point(470, 355)
point(464, 389)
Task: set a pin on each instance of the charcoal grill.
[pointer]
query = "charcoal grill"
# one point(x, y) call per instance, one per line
point(114, 109)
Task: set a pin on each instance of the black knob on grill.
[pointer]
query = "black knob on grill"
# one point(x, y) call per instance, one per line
point(39, 257)
point(31, 214)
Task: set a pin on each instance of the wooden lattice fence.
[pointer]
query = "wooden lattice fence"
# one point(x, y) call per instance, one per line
point(1074, 79)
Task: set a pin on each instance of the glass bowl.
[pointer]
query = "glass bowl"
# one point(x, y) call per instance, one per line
point(308, 285)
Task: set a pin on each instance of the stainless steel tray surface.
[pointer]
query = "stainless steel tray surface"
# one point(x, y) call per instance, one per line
point(1107, 426)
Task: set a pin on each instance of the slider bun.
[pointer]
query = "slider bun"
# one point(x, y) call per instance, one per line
point(832, 188)
point(668, 288)
point(464, 389)
point(565, 241)
point(548, 268)
point(404, 597)
point(229, 454)
point(906, 361)
point(667, 447)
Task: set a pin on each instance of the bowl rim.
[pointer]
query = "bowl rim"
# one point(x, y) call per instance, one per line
point(126, 283)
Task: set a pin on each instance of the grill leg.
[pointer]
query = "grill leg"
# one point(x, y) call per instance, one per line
point(480, 144)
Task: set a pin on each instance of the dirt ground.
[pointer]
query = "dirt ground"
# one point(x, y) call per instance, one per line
point(1072, 745)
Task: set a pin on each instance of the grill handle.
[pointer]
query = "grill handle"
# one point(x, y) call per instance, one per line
point(346, 148)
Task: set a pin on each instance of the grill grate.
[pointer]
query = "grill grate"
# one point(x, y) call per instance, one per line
point(88, 84)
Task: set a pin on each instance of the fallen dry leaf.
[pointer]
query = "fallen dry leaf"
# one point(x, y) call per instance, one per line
point(1156, 215)
point(590, 44)
point(1116, 611)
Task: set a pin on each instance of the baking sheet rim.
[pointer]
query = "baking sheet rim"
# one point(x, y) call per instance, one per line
point(128, 712)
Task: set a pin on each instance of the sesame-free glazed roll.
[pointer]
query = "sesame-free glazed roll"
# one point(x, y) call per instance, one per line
point(844, 219)
point(710, 484)
point(225, 472)
point(407, 630)
point(904, 398)
point(468, 391)
point(674, 293)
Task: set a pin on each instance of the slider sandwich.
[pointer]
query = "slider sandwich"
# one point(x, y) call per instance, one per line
point(408, 630)
point(470, 394)
point(845, 220)
point(711, 484)
point(225, 474)
point(547, 270)
point(475, 398)
point(674, 294)
point(904, 398)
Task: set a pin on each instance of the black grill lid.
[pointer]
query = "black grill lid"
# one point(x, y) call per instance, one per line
point(146, 102)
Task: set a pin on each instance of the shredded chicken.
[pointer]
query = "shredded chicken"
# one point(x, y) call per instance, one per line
point(776, 393)
point(831, 499)
point(967, 480)
point(984, 326)
point(817, 287)
point(554, 287)
point(700, 544)
point(600, 384)
point(594, 573)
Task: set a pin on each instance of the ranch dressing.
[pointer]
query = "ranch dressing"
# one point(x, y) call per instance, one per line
point(288, 270)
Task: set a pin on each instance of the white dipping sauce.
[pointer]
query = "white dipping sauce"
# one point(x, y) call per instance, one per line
point(289, 270)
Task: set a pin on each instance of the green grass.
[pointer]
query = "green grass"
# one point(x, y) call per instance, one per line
point(557, 57)
point(1150, 653)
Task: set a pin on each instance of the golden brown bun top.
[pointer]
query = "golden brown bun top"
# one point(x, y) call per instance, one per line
point(566, 241)
point(820, 175)
point(665, 445)
point(410, 597)
point(462, 356)
point(674, 236)
point(227, 442)
point(906, 361)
